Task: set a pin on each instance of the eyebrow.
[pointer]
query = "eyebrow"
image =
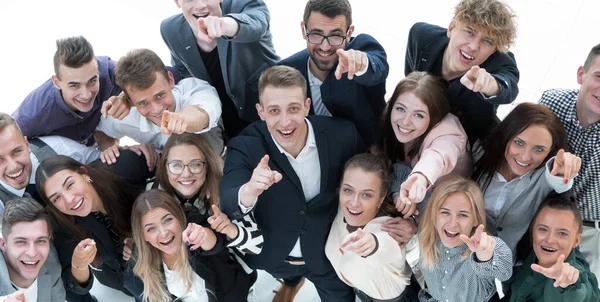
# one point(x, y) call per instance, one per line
point(162, 218)
point(76, 83)
point(560, 229)
point(24, 238)
point(418, 110)
point(320, 31)
point(461, 211)
point(542, 146)
point(63, 184)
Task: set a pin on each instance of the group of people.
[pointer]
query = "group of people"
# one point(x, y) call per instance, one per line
point(301, 167)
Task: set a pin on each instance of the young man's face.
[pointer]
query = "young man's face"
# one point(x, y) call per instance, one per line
point(15, 163)
point(79, 86)
point(196, 9)
point(469, 46)
point(284, 110)
point(25, 251)
point(152, 101)
point(323, 56)
point(589, 94)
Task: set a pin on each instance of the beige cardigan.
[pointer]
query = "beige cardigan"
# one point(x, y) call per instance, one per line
point(382, 275)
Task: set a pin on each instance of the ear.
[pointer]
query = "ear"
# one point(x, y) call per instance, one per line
point(260, 111)
point(307, 106)
point(83, 171)
point(577, 241)
point(171, 80)
point(177, 3)
point(2, 244)
point(350, 31)
point(27, 143)
point(56, 82)
point(303, 28)
point(450, 29)
point(580, 72)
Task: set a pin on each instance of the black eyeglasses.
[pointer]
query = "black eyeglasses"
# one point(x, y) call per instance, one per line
point(195, 166)
point(333, 40)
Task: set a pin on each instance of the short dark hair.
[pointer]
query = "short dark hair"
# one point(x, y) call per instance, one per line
point(329, 8)
point(72, 52)
point(281, 77)
point(7, 120)
point(22, 209)
point(595, 52)
point(138, 68)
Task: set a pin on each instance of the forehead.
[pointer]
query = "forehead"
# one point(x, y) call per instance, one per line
point(80, 74)
point(11, 139)
point(185, 151)
point(595, 66)
point(318, 21)
point(556, 218)
point(458, 201)
point(154, 215)
point(160, 84)
point(29, 230)
point(411, 101)
point(477, 28)
point(281, 96)
point(361, 179)
point(209, 3)
point(536, 135)
point(55, 182)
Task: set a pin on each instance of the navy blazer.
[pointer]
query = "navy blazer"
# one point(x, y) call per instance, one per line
point(243, 57)
point(427, 43)
point(282, 212)
point(361, 100)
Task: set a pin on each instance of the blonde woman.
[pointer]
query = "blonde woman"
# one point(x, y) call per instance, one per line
point(459, 260)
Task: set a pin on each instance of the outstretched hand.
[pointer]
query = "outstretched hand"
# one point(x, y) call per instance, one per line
point(566, 164)
point(350, 61)
point(480, 243)
point(262, 179)
point(478, 79)
point(563, 273)
point(360, 242)
point(221, 223)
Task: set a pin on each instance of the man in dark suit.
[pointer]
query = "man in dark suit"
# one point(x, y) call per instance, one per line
point(228, 44)
point(346, 75)
point(472, 54)
point(286, 169)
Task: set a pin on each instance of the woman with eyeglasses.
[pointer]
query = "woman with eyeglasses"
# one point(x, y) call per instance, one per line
point(191, 171)
point(91, 208)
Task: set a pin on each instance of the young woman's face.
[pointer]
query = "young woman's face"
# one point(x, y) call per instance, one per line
point(360, 196)
point(527, 151)
point(455, 217)
point(189, 165)
point(162, 230)
point(410, 117)
point(555, 233)
point(72, 193)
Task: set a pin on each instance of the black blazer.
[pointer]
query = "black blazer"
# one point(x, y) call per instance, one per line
point(282, 212)
point(243, 58)
point(361, 100)
point(427, 43)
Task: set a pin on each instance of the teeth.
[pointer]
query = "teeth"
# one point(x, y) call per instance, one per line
point(15, 175)
point(83, 101)
point(168, 241)
point(354, 212)
point(324, 54)
point(403, 130)
point(286, 132)
point(466, 55)
point(597, 96)
point(521, 164)
point(186, 182)
point(547, 249)
point(451, 233)
point(76, 207)
point(201, 15)
point(30, 262)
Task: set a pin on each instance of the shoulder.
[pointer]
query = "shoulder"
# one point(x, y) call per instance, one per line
point(296, 60)
point(253, 135)
point(423, 31)
point(172, 22)
point(361, 40)
point(331, 125)
point(556, 97)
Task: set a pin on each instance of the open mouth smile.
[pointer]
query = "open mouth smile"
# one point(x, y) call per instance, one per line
point(467, 56)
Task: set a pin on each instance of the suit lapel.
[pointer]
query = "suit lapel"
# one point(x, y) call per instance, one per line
point(44, 286)
point(223, 49)
point(279, 159)
point(323, 151)
point(191, 52)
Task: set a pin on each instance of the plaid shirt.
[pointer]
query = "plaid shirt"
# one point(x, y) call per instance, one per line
point(585, 142)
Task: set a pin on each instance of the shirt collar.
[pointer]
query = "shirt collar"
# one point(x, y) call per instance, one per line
point(310, 141)
point(451, 251)
point(34, 165)
point(312, 80)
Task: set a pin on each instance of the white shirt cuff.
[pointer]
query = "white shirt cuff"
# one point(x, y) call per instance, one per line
point(358, 74)
point(245, 209)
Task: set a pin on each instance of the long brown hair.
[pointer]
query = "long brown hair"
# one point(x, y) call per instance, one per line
point(428, 235)
point(147, 258)
point(433, 92)
point(213, 167)
point(519, 119)
point(113, 191)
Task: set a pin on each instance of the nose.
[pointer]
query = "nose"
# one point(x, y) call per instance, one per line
point(454, 221)
point(325, 45)
point(526, 155)
point(353, 200)
point(186, 171)
point(85, 92)
point(11, 164)
point(285, 119)
point(405, 120)
point(157, 109)
point(474, 44)
point(30, 252)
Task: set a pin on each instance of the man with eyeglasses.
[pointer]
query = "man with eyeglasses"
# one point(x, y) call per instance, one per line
point(346, 75)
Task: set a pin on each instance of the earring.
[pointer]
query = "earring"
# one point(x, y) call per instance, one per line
point(89, 180)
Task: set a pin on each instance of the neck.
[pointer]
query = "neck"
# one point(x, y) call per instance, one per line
point(318, 73)
point(97, 205)
point(169, 260)
point(448, 74)
point(585, 117)
point(506, 173)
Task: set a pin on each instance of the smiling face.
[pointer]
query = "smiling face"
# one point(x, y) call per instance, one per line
point(25, 251)
point(526, 151)
point(79, 86)
point(72, 193)
point(455, 217)
point(468, 47)
point(152, 101)
point(196, 9)
point(588, 99)
point(360, 196)
point(323, 57)
point(284, 110)
point(162, 230)
point(555, 233)
point(187, 184)
point(15, 163)
point(409, 117)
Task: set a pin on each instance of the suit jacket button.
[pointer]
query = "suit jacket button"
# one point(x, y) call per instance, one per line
point(303, 231)
point(301, 212)
point(499, 229)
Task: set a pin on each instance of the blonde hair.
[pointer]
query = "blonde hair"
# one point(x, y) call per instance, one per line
point(147, 258)
point(428, 235)
point(492, 16)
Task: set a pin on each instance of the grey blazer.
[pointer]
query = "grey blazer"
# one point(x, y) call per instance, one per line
point(50, 285)
point(243, 57)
